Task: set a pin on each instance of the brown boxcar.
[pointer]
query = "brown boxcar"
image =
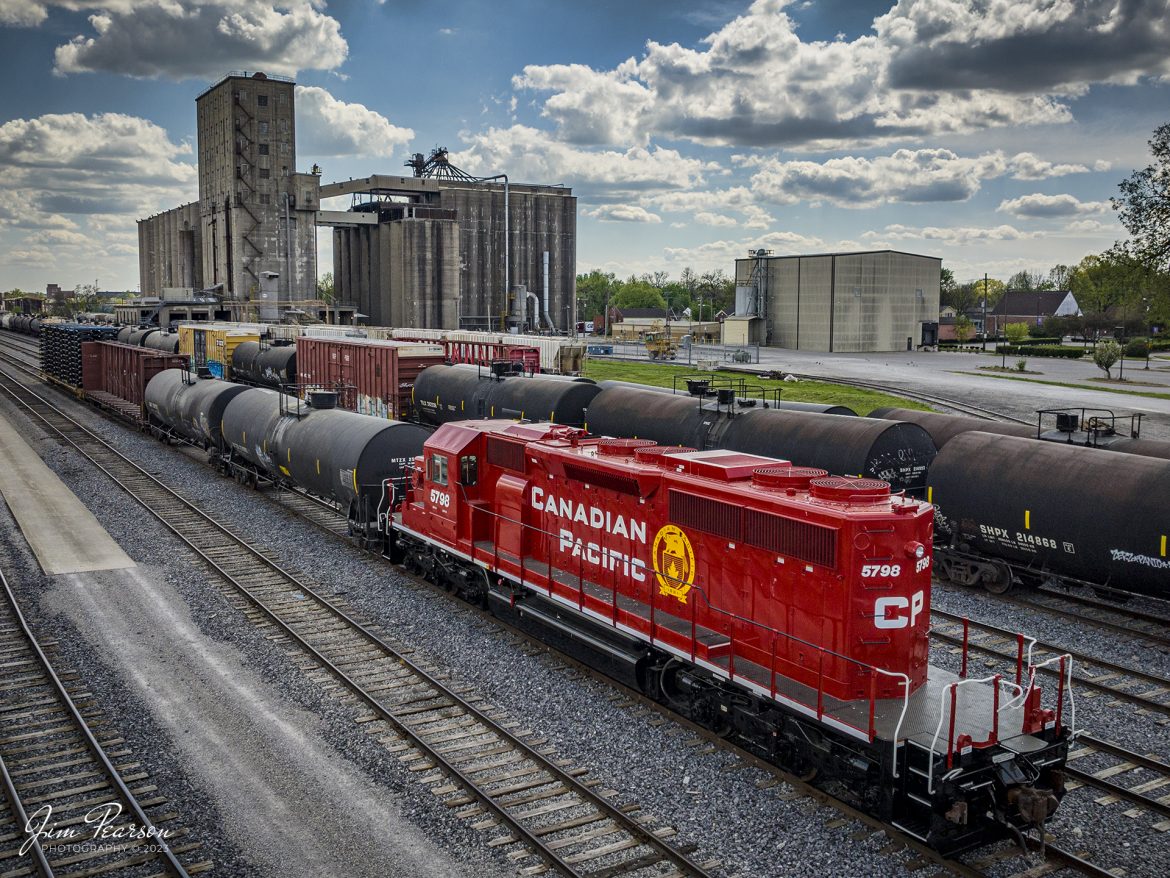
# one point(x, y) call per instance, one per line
point(370, 376)
point(115, 375)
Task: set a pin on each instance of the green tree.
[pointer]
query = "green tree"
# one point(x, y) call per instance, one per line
point(1105, 355)
point(1016, 332)
point(325, 286)
point(946, 282)
point(1144, 204)
point(636, 293)
point(1029, 281)
point(994, 291)
point(964, 328)
point(593, 289)
point(961, 297)
point(1060, 276)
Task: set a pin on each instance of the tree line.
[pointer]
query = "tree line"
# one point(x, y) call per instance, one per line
point(702, 296)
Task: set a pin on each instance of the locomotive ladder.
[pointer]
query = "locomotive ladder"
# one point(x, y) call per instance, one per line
point(468, 753)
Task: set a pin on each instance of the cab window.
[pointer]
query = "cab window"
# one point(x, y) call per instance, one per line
point(438, 470)
point(468, 470)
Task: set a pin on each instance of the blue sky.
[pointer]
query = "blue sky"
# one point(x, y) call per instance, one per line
point(988, 132)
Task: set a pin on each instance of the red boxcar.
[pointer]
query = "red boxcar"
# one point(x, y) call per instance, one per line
point(115, 375)
point(484, 353)
point(371, 376)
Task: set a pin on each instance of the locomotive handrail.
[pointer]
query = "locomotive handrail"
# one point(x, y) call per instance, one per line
point(1065, 662)
point(548, 587)
point(953, 689)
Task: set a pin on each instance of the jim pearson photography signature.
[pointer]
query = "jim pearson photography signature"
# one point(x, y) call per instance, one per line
point(101, 829)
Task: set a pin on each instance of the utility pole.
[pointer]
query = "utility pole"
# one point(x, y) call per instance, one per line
point(984, 333)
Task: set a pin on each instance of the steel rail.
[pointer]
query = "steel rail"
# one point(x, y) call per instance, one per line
point(1080, 658)
point(170, 861)
point(528, 836)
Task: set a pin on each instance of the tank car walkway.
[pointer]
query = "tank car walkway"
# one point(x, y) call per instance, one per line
point(63, 534)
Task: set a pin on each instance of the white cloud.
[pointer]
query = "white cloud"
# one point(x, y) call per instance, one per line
point(528, 154)
point(22, 13)
point(1087, 226)
point(705, 202)
point(707, 218)
point(622, 213)
point(78, 183)
point(1042, 206)
point(329, 127)
point(954, 235)
point(929, 67)
point(1026, 166)
point(722, 254)
point(193, 38)
point(920, 175)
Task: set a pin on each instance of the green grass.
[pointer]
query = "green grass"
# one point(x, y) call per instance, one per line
point(1104, 387)
point(826, 393)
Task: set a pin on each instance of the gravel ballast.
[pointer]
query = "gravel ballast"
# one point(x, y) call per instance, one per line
point(754, 831)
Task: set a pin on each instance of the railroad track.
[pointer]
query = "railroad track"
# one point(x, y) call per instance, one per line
point(548, 814)
point(1135, 624)
point(325, 516)
point(20, 351)
point(1094, 676)
point(1140, 781)
point(329, 518)
point(56, 771)
point(931, 398)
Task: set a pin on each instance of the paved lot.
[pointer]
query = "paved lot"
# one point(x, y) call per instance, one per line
point(958, 376)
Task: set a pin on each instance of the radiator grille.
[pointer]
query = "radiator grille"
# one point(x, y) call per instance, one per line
point(710, 516)
point(812, 543)
point(602, 478)
point(786, 536)
point(509, 455)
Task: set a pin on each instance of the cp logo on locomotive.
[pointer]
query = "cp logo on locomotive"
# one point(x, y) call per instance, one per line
point(674, 562)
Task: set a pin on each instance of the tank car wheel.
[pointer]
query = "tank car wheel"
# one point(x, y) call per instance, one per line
point(997, 578)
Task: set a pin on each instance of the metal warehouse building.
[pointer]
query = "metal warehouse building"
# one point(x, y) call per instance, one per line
point(881, 300)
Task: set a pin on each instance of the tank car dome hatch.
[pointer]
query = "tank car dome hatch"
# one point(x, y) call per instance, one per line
point(786, 478)
point(623, 447)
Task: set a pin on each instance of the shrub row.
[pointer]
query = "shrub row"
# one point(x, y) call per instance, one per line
point(1058, 351)
point(1043, 339)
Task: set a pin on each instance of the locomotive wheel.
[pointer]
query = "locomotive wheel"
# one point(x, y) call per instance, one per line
point(997, 578)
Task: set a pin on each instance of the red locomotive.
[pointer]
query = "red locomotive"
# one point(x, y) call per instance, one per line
point(776, 604)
